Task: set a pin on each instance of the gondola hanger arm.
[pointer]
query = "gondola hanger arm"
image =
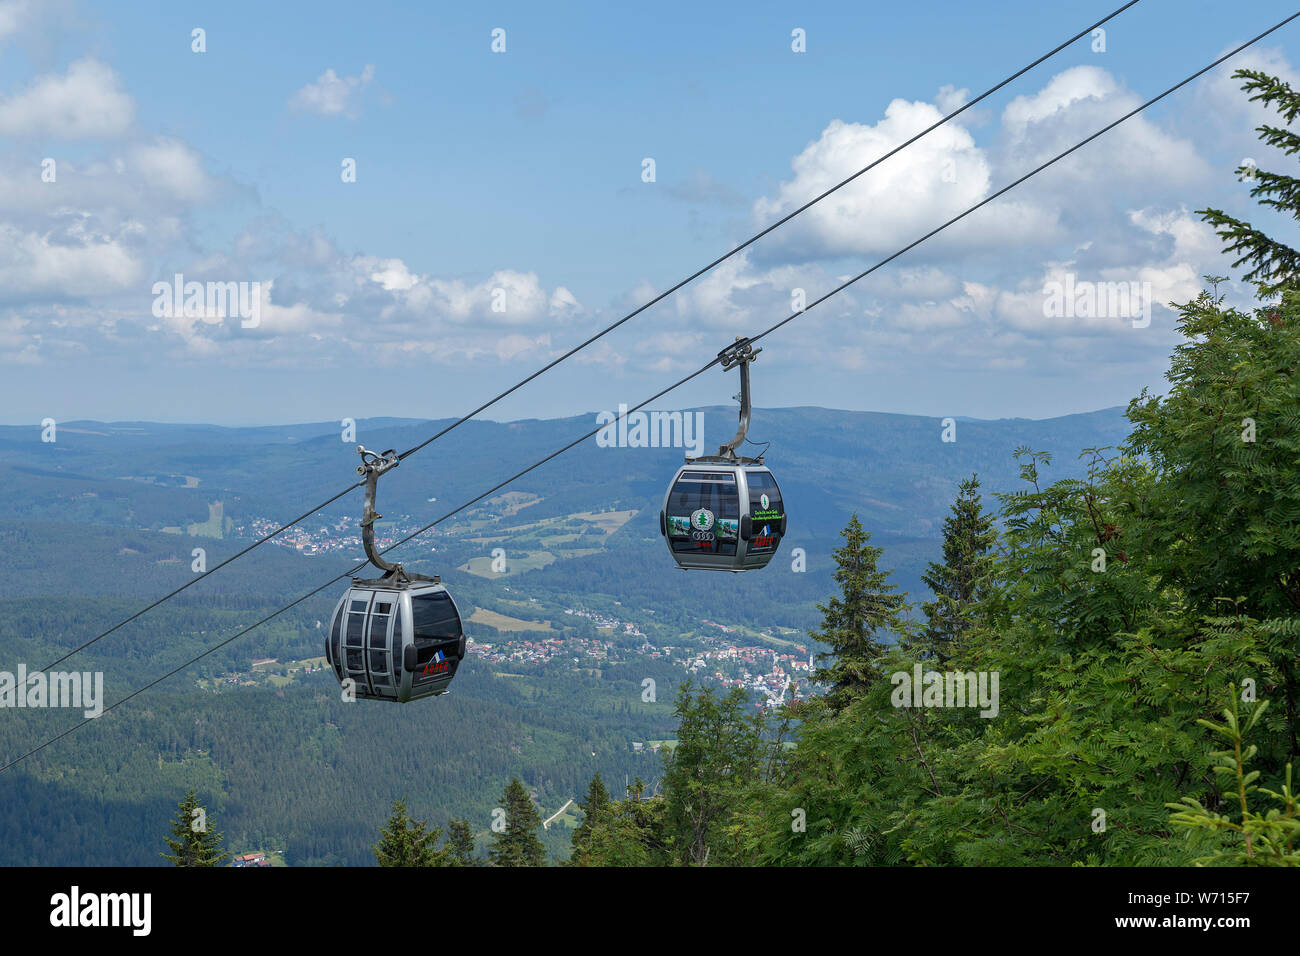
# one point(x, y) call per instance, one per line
point(374, 464)
point(741, 352)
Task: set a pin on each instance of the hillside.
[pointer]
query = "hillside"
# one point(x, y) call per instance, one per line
point(106, 519)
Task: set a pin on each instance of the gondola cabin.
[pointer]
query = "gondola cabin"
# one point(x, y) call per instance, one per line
point(723, 516)
point(396, 641)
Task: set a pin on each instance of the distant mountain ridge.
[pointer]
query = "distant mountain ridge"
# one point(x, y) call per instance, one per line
point(894, 469)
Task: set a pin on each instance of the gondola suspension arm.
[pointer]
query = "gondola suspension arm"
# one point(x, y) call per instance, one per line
point(374, 464)
point(741, 352)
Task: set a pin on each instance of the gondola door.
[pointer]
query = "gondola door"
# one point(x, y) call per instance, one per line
point(355, 616)
point(377, 643)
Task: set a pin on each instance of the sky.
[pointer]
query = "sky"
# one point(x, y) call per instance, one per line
point(416, 220)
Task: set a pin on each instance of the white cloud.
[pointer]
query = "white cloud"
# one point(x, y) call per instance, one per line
point(70, 262)
point(291, 319)
point(564, 304)
point(677, 351)
point(950, 98)
point(333, 95)
point(1064, 90)
point(394, 276)
point(506, 298)
point(899, 200)
point(113, 225)
point(1127, 159)
point(1229, 112)
point(13, 15)
point(174, 167)
point(973, 297)
point(712, 298)
point(515, 346)
point(409, 316)
point(86, 102)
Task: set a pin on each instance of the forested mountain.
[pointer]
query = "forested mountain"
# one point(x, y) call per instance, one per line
point(82, 546)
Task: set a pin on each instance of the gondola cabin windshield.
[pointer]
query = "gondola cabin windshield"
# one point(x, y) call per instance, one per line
point(704, 512)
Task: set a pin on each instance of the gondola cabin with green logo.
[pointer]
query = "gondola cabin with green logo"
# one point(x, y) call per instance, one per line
point(724, 512)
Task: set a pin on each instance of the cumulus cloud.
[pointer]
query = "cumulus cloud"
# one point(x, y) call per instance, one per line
point(971, 299)
point(319, 293)
point(1065, 89)
point(1076, 103)
point(173, 167)
point(333, 95)
point(899, 200)
point(85, 102)
point(1224, 108)
point(505, 298)
point(979, 303)
point(393, 276)
point(71, 261)
point(950, 98)
point(1112, 214)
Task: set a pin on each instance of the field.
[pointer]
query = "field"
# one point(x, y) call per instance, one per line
point(517, 562)
point(607, 521)
point(503, 623)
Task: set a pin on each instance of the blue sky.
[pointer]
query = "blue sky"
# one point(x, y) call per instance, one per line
point(522, 172)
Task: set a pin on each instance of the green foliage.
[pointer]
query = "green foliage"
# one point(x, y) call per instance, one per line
point(517, 844)
point(193, 840)
point(461, 848)
point(961, 579)
point(320, 784)
point(407, 842)
point(628, 832)
point(856, 623)
point(1113, 603)
point(1221, 525)
point(594, 810)
point(718, 755)
point(1273, 264)
point(1257, 839)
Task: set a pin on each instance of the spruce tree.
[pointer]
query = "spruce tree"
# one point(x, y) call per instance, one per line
point(1273, 264)
point(594, 808)
point(631, 832)
point(460, 844)
point(407, 842)
point(518, 844)
point(193, 841)
point(854, 624)
point(962, 577)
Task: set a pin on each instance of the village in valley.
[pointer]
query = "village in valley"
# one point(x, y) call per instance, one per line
point(771, 667)
point(713, 655)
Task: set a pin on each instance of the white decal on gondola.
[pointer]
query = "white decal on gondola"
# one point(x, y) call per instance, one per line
point(702, 519)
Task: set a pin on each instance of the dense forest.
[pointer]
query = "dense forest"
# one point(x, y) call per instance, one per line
point(304, 773)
